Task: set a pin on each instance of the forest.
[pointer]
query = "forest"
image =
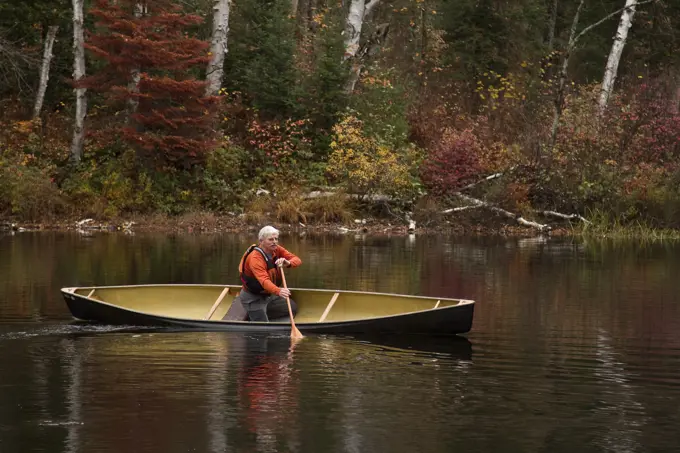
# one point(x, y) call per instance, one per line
point(531, 112)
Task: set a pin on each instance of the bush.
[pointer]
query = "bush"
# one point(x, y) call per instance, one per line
point(228, 176)
point(454, 163)
point(29, 192)
point(364, 165)
point(109, 185)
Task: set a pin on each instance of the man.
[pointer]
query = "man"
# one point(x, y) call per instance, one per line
point(261, 295)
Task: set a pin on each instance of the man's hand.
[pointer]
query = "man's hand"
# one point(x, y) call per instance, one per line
point(282, 262)
point(285, 292)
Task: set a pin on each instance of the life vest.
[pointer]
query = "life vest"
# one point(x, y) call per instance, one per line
point(251, 283)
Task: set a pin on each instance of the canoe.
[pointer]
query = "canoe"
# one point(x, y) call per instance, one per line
point(203, 307)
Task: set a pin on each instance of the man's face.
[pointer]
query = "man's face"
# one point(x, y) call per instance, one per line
point(270, 243)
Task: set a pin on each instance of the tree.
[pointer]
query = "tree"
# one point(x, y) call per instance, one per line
point(218, 47)
point(172, 124)
point(78, 75)
point(45, 69)
point(359, 10)
point(261, 63)
point(571, 46)
point(615, 54)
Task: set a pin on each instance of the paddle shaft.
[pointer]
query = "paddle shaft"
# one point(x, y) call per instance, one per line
point(225, 291)
point(294, 332)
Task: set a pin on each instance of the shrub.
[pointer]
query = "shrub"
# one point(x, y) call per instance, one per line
point(454, 163)
point(364, 165)
point(28, 192)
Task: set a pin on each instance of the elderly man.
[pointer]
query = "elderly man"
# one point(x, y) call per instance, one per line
point(261, 295)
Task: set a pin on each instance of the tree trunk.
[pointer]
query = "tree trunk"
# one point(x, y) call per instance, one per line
point(294, 8)
point(78, 73)
point(353, 25)
point(218, 47)
point(369, 47)
point(552, 23)
point(573, 39)
point(45, 69)
point(675, 105)
point(133, 85)
point(615, 54)
point(309, 20)
point(559, 98)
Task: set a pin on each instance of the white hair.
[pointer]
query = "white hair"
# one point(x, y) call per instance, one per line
point(267, 231)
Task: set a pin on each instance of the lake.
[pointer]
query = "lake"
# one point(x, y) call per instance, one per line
point(575, 347)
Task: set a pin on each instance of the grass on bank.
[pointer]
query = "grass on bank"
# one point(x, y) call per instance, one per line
point(604, 225)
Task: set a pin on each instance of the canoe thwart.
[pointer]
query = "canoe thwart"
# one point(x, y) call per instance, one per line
point(437, 304)
point(328, 307)
point(91, 293)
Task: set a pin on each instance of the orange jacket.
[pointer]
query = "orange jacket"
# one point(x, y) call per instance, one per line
point(256, 266)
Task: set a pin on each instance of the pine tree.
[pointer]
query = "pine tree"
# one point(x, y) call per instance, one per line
point(148, 64)
point(260, 63)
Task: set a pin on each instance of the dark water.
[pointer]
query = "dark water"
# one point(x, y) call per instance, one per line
point(575, 348)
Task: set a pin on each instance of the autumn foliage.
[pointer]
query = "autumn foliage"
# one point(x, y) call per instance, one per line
point(149, 80)
point(453, 163)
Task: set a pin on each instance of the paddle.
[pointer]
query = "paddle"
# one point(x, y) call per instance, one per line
point(217, 303)
point(294, 332)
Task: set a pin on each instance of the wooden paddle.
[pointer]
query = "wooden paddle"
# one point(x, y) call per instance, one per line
point(294, 332)
point(217, 303)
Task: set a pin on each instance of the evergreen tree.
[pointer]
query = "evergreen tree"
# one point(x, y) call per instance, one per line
point(260, 63)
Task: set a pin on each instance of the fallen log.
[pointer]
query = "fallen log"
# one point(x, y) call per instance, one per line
point(518, 218)
point(564, 216)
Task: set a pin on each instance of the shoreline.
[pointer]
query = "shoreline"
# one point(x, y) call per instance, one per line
point(207, 223)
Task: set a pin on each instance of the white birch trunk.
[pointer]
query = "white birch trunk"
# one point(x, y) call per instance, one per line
point(78, 73)
point(294, 7)
point(612, 66)
point(218, 47)
point(45, 69)
point(358, 11)
point(133, 85)
point(353, 25)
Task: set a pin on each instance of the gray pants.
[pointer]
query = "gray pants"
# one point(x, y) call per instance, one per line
point(266, 307)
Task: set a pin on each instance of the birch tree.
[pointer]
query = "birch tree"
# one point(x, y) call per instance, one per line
point(358, 12)
point(78, 73)
point(571, 46)
point(218, 47)
point(612, 66)
point(45, 69)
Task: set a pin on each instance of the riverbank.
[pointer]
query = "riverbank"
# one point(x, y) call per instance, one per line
point(206, 223)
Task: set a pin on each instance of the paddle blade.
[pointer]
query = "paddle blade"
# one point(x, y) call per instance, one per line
point(295, 333)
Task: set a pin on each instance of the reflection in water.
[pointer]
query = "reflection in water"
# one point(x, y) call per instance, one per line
point(574, 347)
point(220, 391)
point(618, 399)
point(73, 358)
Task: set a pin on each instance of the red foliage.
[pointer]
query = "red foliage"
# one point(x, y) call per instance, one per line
point(453, 163)
point(652, 125)
point(172, 122)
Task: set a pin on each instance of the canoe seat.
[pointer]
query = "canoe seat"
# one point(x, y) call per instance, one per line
point(236, 311)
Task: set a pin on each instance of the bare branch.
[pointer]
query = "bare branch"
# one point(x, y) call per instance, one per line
point(606, 18)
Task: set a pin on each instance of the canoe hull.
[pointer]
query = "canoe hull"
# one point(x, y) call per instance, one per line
point(443, 321)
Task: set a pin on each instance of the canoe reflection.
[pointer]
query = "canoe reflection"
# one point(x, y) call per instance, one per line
point(456, 347)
